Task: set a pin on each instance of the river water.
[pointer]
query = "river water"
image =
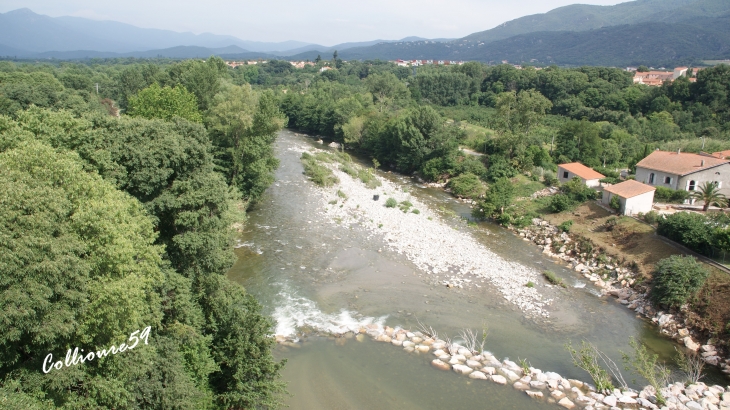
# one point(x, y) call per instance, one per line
point(311, 274)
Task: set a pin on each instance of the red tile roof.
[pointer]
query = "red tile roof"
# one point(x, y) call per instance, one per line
point(722, 154)
point(629, 189)
point(582, 171)
point(679, 163)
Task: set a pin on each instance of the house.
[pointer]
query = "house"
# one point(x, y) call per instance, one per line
point(591, 178)
point(683, 170)
point(634, 197)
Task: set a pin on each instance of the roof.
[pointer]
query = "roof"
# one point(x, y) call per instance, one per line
point(582, 171)
point(679, 163)
point(629, 189)
point(721, 154)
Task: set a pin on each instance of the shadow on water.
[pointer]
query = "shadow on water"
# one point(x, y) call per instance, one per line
point(308, 272)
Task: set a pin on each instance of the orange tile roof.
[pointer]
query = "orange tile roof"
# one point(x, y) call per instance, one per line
point(582, 171)
point(679, 163)
point(629, 189)
point(722, 154)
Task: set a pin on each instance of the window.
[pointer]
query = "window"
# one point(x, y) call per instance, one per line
point(651, 178)
point(718, 184)
point(691, 186)
point(667, 180)
point(565, 174)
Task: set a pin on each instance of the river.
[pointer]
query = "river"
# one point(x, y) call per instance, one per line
point(310, 273)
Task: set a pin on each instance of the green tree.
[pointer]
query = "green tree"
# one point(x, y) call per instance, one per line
point(676, 279)
point(498, 197)
point(387, 90)
point(244, 127)
point(709, 194)
point(164, 103)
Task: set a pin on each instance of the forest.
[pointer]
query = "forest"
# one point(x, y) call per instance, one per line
point(117, 214)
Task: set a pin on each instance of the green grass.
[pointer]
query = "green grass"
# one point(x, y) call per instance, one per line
point(405, 206)
point(415, 211)
point(391, 203)
point(341, 194)
point(552, 278)
point(524, 187)
point(318, 173)
point(367, 177)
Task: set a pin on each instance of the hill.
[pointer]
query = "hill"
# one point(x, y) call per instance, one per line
point(581, 17)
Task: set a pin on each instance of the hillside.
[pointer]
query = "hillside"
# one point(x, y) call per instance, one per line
point(581, 17)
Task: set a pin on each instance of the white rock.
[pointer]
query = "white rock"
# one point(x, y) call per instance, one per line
point(488, 370)
point(534, 394)
point(610, 401)
point(565, 402)
point(499, 379)
point(461, 369)
point(477, 375)
point(473, 364)
point(440, 365)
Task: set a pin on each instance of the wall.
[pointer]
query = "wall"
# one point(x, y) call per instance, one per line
point(642, 175)
point(590, 183)
point(710, 174)
point(631, 206)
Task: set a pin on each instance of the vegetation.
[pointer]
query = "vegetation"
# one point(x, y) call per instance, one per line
point(318, 173)
point(587, 358)
point(706, 234)
point(553, 279)
point(709, 194)
point(668, 195)
point(391, 203)
point(466, 185)
point(677, 279)
point(647, 365)
point(565, 226)
point(116, 224)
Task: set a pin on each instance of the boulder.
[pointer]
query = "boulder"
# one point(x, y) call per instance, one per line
point(557, 394)
point(610, 401)
point(473, 364)
point(690, 344)
point(462, 369)
point(488, 370)
point(440, 365)
point(534, 394)
point(565, 402)
point(499, 379)
point(521, 386)
point(477, 375)
point(422, 348)
point(538, 385)
point(396, 342)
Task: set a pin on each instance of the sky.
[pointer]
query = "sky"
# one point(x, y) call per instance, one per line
point(326, 22)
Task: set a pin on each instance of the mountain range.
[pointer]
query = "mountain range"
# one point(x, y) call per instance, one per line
point(654, 32)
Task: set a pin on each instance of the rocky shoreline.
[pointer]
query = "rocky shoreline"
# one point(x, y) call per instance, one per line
point(618, 281)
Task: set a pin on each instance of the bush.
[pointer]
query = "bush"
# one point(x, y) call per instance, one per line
point(319, 174)
point(367, 177)
point(615, 203)
point(669, 195)
point(565, 226)
point(560, 203)
point(690, 229)
point(676, 279)
point(549, 178)
point(466, 186)
point(391, 203)
point(499, 168)
point(577, 191)
point(349, 170)
point(552, 278)
point(651, 217)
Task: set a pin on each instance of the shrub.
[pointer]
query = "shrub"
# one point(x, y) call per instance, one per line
point(466, 186)
point(349, 170)
point(367, 177)
point(676, 279)
point(341, 194)
point(415, 211)
point(690, 229)
point(549, 178)
point(552, 278)
point(651, 217)
point(405, 206)
point(319, 174)
point(560, 203)
point(577, 191)
point(391, 203)
point(565, 226)
point(610, 180)
point(499, 168)
point(615, 203)
point(669, 195)
point(530, 284)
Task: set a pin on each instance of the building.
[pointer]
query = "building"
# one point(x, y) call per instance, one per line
point(683, 171)
point(591, 178)
point(634, 197)
point(722, 154)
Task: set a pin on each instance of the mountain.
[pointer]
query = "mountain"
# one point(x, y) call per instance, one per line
point(345, 46)
point(657, 44)
point(581, 17)
point(23, 29)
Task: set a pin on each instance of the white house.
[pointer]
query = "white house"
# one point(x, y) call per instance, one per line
point(633, 196)
point(591, 178)
point(684, 171)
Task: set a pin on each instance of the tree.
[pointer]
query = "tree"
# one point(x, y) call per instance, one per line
point(164, 103)
point(318, 59)
point(387, 90)
point(498, 197)
point(334, 56)
point(642, 69)
point(610, 152)
point(709, 194)
point(690, 229)
point(676, 279)
point(245, 125)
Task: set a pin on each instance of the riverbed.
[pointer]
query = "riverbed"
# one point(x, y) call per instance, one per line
point(312, 274)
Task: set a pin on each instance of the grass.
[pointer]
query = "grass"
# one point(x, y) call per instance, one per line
point(349, 169)
point(415, 211)
point(341, 194)
point(318, 173)
point(391, 203)
point(368, 178)
point(524, 187)
point(552, 278)
point(405, 206)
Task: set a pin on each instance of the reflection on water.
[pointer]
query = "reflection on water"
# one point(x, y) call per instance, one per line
point(309, 273)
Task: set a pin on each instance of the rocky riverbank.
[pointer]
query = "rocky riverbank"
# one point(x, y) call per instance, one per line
point(618, 279)
point(449, 254)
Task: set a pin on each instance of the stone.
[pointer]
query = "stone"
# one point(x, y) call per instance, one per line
point(454, 361)
point(410, 335)
point(385, 338)
point(422, 349)
point(534, 394)
point(557, 394)
point(585, 400)
point(416, 340)
point(610, 401)
point(512, 376)
point(576, 383)
point(440, 365)
point(459, 357)
point(439, 353)
point(360, 338)
point(408, 343)
point(693, 405)
point(499, 379)
point(461, 369)
point(708, 348)
point(464, 352)
point(488, 370)
point(538, 385)
point(565, 402)
point(521, 386)
point(396, 342)
point(683, 332)
point(473, 364)
point(401, 337)
point(409, 349)
point(477, 375)
point(690, 344)
point(626, 400)
point(579, 267)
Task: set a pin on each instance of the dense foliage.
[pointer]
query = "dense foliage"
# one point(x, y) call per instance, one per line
point(676, 279)
point(112, 223)
point(705, 234)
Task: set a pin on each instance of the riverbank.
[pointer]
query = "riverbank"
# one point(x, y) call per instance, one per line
point(445, 252)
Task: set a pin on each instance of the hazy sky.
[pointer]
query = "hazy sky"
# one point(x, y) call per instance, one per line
point(326, 22)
